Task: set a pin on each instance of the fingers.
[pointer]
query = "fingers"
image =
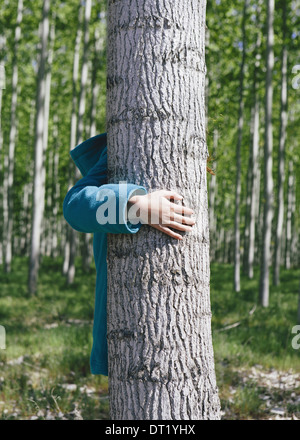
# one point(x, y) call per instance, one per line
point(182, 209)
point(180, 226)
point(185, 220)
point(168, 231)
point(172, 195)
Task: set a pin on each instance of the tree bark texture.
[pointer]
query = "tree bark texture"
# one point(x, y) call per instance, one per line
point(70, 233)
point(212, 202)
point(281, 153)
point(254, 184)
point(39, 156)
point(268, 163)
point(289, 215)
point(8, 199)
point(161, 363)
point(238, 186)
point(80, 125)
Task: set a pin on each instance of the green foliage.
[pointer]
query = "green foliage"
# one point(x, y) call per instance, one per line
point(223, 57)
point(64, 15)
point(48, 340)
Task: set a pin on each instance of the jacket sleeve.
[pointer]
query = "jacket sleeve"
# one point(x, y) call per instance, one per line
point(92, 205)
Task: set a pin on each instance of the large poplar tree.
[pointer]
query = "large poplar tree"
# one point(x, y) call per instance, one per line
point(161, 363)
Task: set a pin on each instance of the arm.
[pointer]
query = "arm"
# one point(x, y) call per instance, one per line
point(89, 201)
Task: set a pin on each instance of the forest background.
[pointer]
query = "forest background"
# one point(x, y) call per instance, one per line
point(47, 286)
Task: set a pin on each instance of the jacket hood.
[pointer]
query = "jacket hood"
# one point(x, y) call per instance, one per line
point(87, 154)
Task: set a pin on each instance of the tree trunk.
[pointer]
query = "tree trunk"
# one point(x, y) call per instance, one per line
point(161, 363)
point(268, 164)
point(258, 210)
point(289, 215)
point(80, 126)
point(298, 314)
point(55, 190)
point(254, 187)
point(39, 162)
point(23, 214)
point(281, 154)
point(2, 87)
point(8, 200)
point(72, 171)
point(245, 250)
point(255, 176)
point(30, 161)
point(212, 199)
point(46, 224)
point(295, 233)
point(237, 250)
point(96, 66)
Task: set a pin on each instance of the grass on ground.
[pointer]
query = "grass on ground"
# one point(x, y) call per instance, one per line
point(44, 370)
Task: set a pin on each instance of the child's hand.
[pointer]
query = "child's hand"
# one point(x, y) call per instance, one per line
point(156, 210)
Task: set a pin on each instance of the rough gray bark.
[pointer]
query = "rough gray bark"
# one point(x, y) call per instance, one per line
point(268, 163)
point(237, 237)
point(281, 154)
point(161, 363)
point(39, 162)
point(8, 199)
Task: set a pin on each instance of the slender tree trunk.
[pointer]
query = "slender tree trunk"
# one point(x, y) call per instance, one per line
point(298, 314)
point(55, 193)
point(2, 87)
point(289, 215)
point(245, 250)
point(295, 234)
point(46, 233)
point(95, 86)
point(70, 233)
point(268, 164)
point(281, 154)
point(254, 187)
point(98, 48)
point(161, 364)
point(8, 200)
point(258, 211)
point(25, 208)
point(206, 79)
point(30, 161)
point(255, 175)
point(39, 163)
point(48, 213)
point(80, 127)
point(212, 200)
point(237, 251)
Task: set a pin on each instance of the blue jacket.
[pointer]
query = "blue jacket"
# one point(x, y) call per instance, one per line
point(83, 208)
